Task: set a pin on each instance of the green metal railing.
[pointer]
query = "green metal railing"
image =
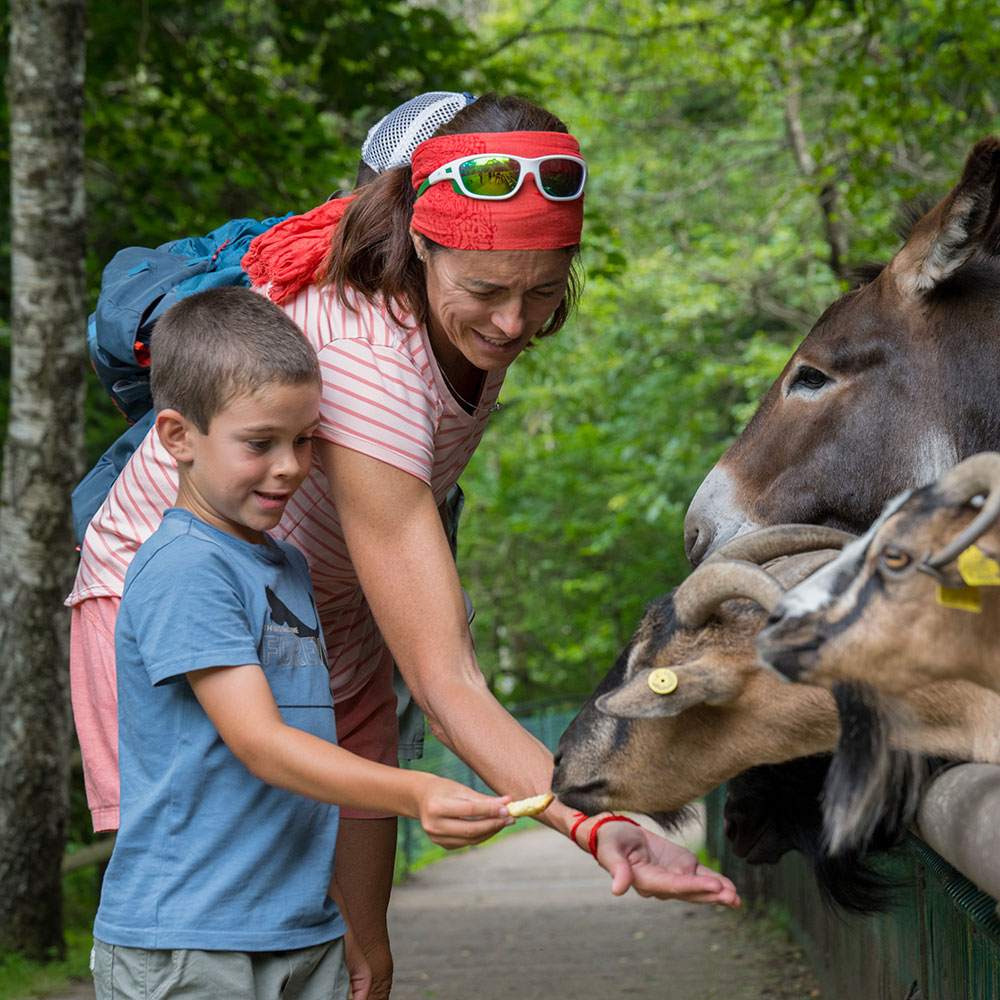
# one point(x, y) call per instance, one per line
point(939, 941)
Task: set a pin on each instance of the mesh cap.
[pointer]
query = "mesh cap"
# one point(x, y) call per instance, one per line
point(391, 141)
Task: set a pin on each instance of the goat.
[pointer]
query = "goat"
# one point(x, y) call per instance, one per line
point(631, 748)
point(843, 628)
point(911, 567)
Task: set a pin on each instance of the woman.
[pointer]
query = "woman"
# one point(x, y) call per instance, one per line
point(417, 292)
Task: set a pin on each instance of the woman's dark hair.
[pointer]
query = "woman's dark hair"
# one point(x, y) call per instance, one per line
point(372, 252)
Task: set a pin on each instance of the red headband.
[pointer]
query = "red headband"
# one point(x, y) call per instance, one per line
point(525, 222)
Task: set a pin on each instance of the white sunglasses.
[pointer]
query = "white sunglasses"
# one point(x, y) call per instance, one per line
point(496, 176)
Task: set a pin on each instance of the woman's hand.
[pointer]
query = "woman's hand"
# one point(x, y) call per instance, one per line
point(455, 816)
point(660, 868)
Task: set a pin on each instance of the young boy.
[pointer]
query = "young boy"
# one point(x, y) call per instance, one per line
point(220, 884)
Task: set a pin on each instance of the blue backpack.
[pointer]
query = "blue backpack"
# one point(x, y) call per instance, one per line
point(137, 288)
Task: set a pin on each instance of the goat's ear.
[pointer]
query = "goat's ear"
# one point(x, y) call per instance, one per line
point(979, 564)
point(696, 685)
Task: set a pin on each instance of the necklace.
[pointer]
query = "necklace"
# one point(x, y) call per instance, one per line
point(467, 405)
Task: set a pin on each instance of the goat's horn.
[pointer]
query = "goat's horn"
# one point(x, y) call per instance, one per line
point(781, 540)
point(790, 570)
point(977, 474)
point(714, 582)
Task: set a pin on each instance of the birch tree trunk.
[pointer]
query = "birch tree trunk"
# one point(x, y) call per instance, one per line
point(43, 456)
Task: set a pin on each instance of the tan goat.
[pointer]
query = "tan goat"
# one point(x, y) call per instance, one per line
point(632, 748)
point(913, 601)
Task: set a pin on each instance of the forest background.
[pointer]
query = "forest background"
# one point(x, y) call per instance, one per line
point(744, 157)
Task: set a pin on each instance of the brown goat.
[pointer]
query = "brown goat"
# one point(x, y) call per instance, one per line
point(891, 619)
point(633, 749)
point(630, 748)
point(895, 610)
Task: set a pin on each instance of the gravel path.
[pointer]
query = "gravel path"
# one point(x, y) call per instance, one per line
point(529, 917)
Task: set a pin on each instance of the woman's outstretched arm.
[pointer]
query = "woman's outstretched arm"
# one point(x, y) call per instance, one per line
point(402, 558)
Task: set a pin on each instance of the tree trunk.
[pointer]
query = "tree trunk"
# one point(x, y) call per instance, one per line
point(830, 201)
point(43, 457)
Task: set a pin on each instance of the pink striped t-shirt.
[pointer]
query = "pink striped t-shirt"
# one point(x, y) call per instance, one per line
point(383, 396)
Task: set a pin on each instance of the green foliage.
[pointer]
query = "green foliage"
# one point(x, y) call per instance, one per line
point(208, 110)
point(707, 258)
point(706, 247)
point(23, 977)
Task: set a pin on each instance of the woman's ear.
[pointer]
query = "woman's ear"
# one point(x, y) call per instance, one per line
point(175, 432)
point(418, 244)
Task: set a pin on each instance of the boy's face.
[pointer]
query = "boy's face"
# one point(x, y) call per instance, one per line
point(254, 457)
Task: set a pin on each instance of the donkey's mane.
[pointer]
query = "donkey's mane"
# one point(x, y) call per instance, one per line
point(910, 213)
point(864, 274)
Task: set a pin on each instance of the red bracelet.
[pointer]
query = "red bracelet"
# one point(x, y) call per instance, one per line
point(579, 817)
point(592, 839)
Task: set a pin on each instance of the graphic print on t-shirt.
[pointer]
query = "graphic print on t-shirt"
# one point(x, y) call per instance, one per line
point(288, 641)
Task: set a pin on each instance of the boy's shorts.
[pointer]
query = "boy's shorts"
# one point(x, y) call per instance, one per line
point(316, 973)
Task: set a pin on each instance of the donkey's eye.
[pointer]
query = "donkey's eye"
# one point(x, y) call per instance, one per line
point(809, 378)
point(894, 559)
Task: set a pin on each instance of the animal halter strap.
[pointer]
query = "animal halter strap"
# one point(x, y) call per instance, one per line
point(527, 221)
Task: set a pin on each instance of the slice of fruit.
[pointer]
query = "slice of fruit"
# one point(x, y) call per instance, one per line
point(530, 807)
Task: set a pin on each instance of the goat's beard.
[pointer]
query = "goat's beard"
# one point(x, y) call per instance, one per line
point(871, 789)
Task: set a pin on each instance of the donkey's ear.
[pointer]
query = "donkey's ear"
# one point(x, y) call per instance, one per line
point(950, 233)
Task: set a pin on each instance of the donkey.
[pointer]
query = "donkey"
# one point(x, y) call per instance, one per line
point(898, 380)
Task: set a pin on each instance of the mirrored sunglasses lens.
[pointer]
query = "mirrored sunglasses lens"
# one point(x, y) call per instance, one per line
point(490, 176)
point(561, 178)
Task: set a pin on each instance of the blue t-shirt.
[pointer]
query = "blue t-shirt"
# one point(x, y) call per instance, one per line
point(207, 855)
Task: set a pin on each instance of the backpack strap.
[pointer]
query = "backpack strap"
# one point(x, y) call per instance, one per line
point(92, 490)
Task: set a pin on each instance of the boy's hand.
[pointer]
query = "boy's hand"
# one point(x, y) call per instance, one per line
point(455, 816)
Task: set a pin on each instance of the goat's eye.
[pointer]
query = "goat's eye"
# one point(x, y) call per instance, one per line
point(894, 559)
point(809, 378)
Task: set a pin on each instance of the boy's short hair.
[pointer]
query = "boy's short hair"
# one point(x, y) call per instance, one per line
point(215, 345)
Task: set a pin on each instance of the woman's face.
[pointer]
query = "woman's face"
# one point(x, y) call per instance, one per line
point(486, 305)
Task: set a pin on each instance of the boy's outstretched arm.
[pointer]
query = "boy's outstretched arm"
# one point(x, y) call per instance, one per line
point(240, 704)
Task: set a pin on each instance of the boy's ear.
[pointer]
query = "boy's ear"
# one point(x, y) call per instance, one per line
point(175, 433)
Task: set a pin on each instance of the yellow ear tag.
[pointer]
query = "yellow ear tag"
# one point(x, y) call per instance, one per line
point(961, 598)
point(978, 569)
point(662, 680)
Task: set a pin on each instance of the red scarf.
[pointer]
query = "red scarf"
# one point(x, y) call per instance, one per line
point(291, 254)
